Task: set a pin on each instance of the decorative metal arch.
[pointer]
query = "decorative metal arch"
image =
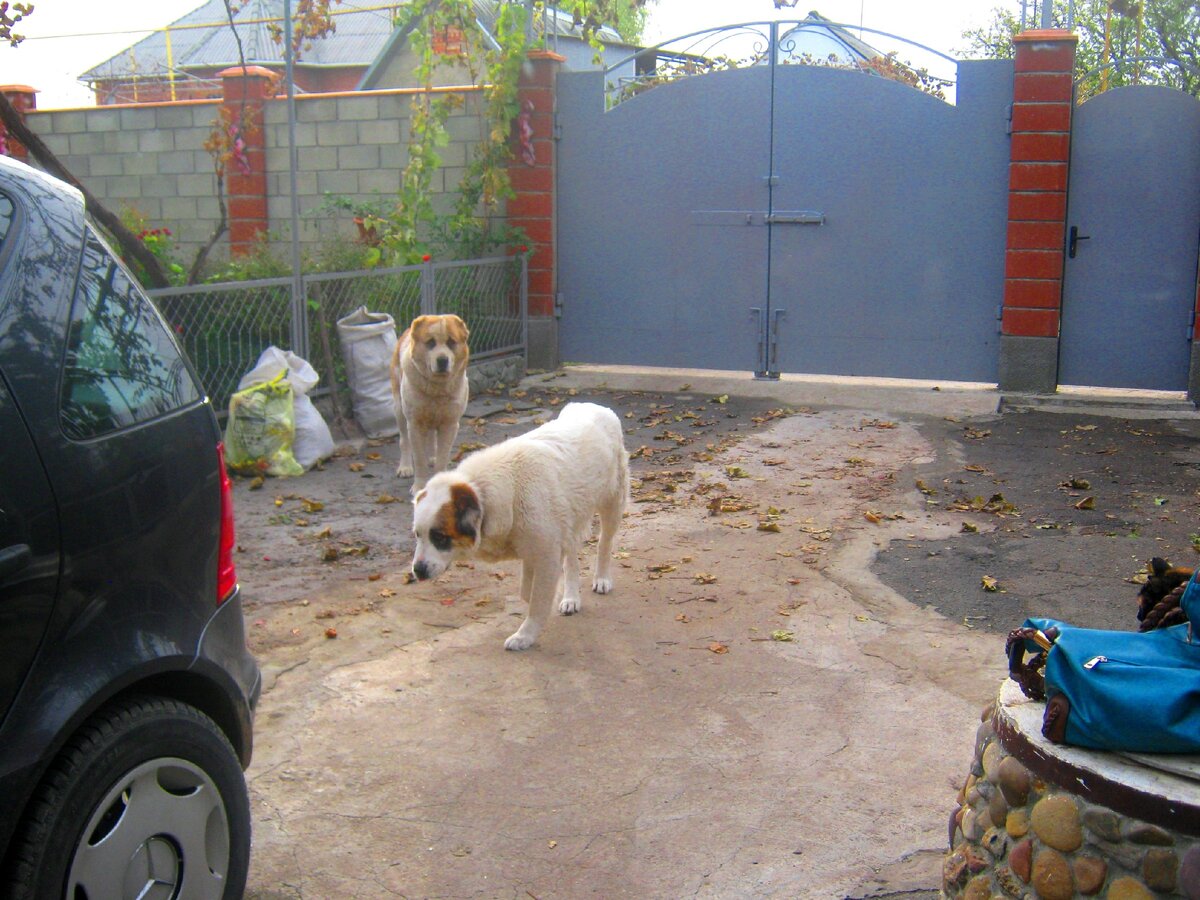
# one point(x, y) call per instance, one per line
point(764, 41)
point(1117, 65)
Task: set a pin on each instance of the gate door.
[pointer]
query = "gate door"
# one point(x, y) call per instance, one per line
point(1134, 226)
point(902, 277)
point(658, 265)
point(785, 217)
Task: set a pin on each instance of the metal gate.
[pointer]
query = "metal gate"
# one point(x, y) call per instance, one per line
point(785, 218)
point(1129, 285)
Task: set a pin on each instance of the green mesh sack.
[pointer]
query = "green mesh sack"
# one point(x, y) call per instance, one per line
point(261, 430)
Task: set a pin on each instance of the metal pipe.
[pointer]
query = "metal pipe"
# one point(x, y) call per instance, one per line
point(299, 309)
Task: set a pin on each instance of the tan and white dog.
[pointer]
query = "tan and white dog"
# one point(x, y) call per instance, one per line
point(429, 392)
point(531, 498)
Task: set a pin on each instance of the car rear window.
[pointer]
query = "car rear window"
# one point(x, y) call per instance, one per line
point(122, 365)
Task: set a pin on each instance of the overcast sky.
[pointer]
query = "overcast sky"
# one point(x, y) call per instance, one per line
point(67, 37)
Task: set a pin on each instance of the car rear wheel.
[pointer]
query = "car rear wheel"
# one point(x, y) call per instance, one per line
point(148, 800)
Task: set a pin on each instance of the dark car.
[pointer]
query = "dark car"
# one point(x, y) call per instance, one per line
point(127, 692)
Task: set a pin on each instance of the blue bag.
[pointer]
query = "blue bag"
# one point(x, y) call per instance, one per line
point(1127, 690)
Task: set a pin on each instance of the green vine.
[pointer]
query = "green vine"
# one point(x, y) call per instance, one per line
point(444, 35)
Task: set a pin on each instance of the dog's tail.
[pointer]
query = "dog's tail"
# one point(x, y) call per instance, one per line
point(612, 426)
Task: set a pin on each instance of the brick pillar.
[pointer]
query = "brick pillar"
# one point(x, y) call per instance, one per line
point(533, 206)
point(23, 98)
point(246, 169)
point(1043, 99)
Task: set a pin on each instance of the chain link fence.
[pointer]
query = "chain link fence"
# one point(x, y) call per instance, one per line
point(225, 327)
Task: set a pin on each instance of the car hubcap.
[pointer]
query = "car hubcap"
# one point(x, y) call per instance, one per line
point(159, 833)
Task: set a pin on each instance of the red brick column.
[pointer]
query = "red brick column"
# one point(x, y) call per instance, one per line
point(532, 175)
point(245, 91)
point(1037, 207)
point(23, 98)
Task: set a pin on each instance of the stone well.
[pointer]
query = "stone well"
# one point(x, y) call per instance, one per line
point(1040, 820)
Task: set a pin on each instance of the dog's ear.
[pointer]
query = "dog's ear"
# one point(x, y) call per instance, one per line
point(417, 329)
point(468, 512)
point(457, 328)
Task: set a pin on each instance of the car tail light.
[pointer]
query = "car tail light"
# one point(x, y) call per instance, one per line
point(226, 571)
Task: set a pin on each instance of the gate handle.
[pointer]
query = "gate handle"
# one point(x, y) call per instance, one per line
point(1073, 241)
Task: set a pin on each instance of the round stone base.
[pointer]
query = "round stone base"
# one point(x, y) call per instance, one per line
point(1040, 820)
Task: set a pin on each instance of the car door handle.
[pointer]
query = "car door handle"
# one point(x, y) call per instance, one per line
point(1074, 239)
point(13, 559)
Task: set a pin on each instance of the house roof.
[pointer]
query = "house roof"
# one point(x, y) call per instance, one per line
point(202, 38)
point(815, 25)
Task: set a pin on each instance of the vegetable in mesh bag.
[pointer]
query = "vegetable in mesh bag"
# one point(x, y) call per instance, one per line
point(262, 429)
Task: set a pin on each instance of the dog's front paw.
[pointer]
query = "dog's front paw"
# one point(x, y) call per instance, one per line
point(602, 585)
point(518, 641)
point(568, 606)
point(404, 470)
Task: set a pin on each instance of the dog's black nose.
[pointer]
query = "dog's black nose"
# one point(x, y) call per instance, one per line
point(443, 364)
point(421, 570)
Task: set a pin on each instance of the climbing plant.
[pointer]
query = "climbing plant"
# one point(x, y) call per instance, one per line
point(444, 34)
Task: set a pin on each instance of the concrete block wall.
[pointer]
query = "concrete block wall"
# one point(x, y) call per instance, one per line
point(354, 145)
point(149, 158)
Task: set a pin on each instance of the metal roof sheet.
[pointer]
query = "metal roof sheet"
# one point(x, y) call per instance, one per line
point(202, 38)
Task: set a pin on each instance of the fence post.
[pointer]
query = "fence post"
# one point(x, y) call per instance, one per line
point(532, 208)
point(428, 287)
point(1043, 100)
point(23, 98)
point(244, 93)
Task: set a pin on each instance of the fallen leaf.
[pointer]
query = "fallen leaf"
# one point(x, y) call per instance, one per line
point(553, 844)
point(257, 483)
point(724, 398)
point(1160, 501)
point(1086, 427)
point(1086, 503)
point(330, 554)
point(781, 635)
point(989, 583)
point(871, 517)
point(704, 578)
point(374, 456)
point(772, 527)
point(387, 592)
point(968, 528)
point(447, 601)
point(736, 472)
point(682, 618)
point(357, 466)
point(330, 632)
point(924, 488)
point(718, 648)
point(662, 568)
point(387, 498)
point(311, 506)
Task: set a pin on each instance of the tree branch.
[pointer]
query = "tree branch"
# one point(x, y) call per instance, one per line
point(130, 246)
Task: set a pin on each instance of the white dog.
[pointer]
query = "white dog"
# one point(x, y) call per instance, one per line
point(531, 498)
point(429, 393)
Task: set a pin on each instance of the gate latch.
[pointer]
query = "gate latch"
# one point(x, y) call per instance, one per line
point(800, 217)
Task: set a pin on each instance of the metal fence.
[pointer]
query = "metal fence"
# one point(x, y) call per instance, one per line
point(225, 327)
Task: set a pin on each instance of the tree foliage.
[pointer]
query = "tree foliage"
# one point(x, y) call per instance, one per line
point(1121, 42)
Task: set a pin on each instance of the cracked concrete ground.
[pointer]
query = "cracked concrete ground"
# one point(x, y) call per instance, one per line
point(752, 712)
